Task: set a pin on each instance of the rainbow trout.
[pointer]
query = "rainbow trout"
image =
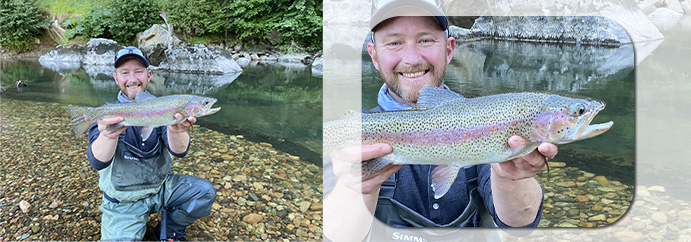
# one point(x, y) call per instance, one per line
point(146, 110)
point(448, 130)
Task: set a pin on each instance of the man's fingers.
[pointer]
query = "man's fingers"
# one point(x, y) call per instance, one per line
point(359, 153)
point(111, 120)
point(516, 141)
point(548, 150)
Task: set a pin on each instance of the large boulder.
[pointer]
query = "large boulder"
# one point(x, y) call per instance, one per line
point(199, 59)
point(100, 52)
point(594, 30)
point(155, 41)
point(63, 58)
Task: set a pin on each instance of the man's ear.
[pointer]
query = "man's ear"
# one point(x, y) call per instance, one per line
point(373, 54)
point(450, 47)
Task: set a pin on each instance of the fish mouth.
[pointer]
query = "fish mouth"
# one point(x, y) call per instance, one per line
point(584, 130)
point(207, 110)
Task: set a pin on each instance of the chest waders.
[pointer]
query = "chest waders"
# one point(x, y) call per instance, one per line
point(131, 177)
point(396, 215)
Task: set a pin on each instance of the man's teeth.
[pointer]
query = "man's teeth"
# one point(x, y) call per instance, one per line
point(413, 74)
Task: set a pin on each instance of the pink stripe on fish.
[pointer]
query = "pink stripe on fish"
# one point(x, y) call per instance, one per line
point(440, 136)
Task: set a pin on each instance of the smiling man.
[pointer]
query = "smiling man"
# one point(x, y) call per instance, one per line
point(411, 49)
point(135, 174)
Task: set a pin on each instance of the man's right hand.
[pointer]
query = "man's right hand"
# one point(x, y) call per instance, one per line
point(348, 175)
point(110, 134)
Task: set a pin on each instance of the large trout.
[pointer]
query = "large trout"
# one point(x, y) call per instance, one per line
point(448, 130)
point(146, 110)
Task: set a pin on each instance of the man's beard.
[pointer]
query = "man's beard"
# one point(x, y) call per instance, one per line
point(412, 95)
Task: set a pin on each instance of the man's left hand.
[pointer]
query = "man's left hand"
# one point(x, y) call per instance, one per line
point(528, 165)
point(183, 126)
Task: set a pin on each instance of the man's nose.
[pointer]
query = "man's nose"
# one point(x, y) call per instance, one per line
point(411, 55)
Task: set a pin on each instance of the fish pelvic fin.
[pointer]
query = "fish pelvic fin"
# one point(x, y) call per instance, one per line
point(82, 118)
point(443, 177)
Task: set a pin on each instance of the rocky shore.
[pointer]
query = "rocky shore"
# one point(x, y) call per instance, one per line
point(48, 190)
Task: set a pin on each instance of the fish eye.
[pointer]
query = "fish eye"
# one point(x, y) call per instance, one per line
point(577, 109)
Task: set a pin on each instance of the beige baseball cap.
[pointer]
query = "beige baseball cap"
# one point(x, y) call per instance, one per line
point(385, 9)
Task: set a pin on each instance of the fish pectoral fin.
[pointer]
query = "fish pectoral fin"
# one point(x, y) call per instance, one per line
point(369, 167)
point(146, 132)
point(113, 127)
point(443, 177)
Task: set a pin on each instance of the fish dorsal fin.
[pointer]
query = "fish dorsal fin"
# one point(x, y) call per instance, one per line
point(143, 96)
point(431, 97)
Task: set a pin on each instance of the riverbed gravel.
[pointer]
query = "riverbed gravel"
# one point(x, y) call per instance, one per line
point(48, 190)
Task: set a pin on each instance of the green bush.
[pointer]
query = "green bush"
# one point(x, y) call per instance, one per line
point(128, 18)
point(93, 24)
point(120, 20)
point(292, 22)
point(21, 22)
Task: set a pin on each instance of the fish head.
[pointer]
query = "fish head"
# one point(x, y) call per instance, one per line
point(565, 120)
point(201, 106)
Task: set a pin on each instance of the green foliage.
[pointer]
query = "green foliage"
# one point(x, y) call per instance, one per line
point(21, 22)
point(93, 24)
point(285, 23)
point(120, 20)
point(131, 17)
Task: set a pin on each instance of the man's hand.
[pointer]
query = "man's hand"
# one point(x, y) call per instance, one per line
point(528, 165)
point(110, 134)
point(183, 126)
point(343, 160)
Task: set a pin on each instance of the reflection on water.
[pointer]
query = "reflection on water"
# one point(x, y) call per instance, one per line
point(490, 67)
point(281, 102)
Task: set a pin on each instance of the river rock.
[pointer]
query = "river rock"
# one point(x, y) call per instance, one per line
point(155, 40)
point(252, 218)
point(561, 29)
point(63, 58)
point(200, 60)
point(318, 66)
point(626, 236)
point(659, 217)
point(100, 51)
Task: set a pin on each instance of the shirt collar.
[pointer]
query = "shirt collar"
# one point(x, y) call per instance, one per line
point(123, 99)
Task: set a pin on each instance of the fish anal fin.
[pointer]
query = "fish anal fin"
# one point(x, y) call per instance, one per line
point(443, 177)
point(146, 132)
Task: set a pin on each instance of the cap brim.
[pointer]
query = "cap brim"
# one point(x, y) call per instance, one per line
point(408, 8)
point(119, 61)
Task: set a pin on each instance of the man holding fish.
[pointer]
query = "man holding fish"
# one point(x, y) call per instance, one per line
point(411, 50)
point(134, 162)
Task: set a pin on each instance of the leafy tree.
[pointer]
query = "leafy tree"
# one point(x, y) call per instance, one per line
point(21, 22)
point(93, 24)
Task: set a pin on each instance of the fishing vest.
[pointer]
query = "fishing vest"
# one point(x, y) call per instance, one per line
point(396, 215)
point(134, 174)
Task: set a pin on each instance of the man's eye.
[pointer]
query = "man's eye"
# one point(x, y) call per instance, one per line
point(395, 43)
point(426, 41)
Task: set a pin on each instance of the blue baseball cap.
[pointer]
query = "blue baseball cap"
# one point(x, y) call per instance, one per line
point(385, 9)
point(130, 51)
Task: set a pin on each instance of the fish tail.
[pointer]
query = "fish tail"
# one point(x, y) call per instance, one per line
point(82, 117)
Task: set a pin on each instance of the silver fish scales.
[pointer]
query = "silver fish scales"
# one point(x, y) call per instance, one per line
point(448, 130)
